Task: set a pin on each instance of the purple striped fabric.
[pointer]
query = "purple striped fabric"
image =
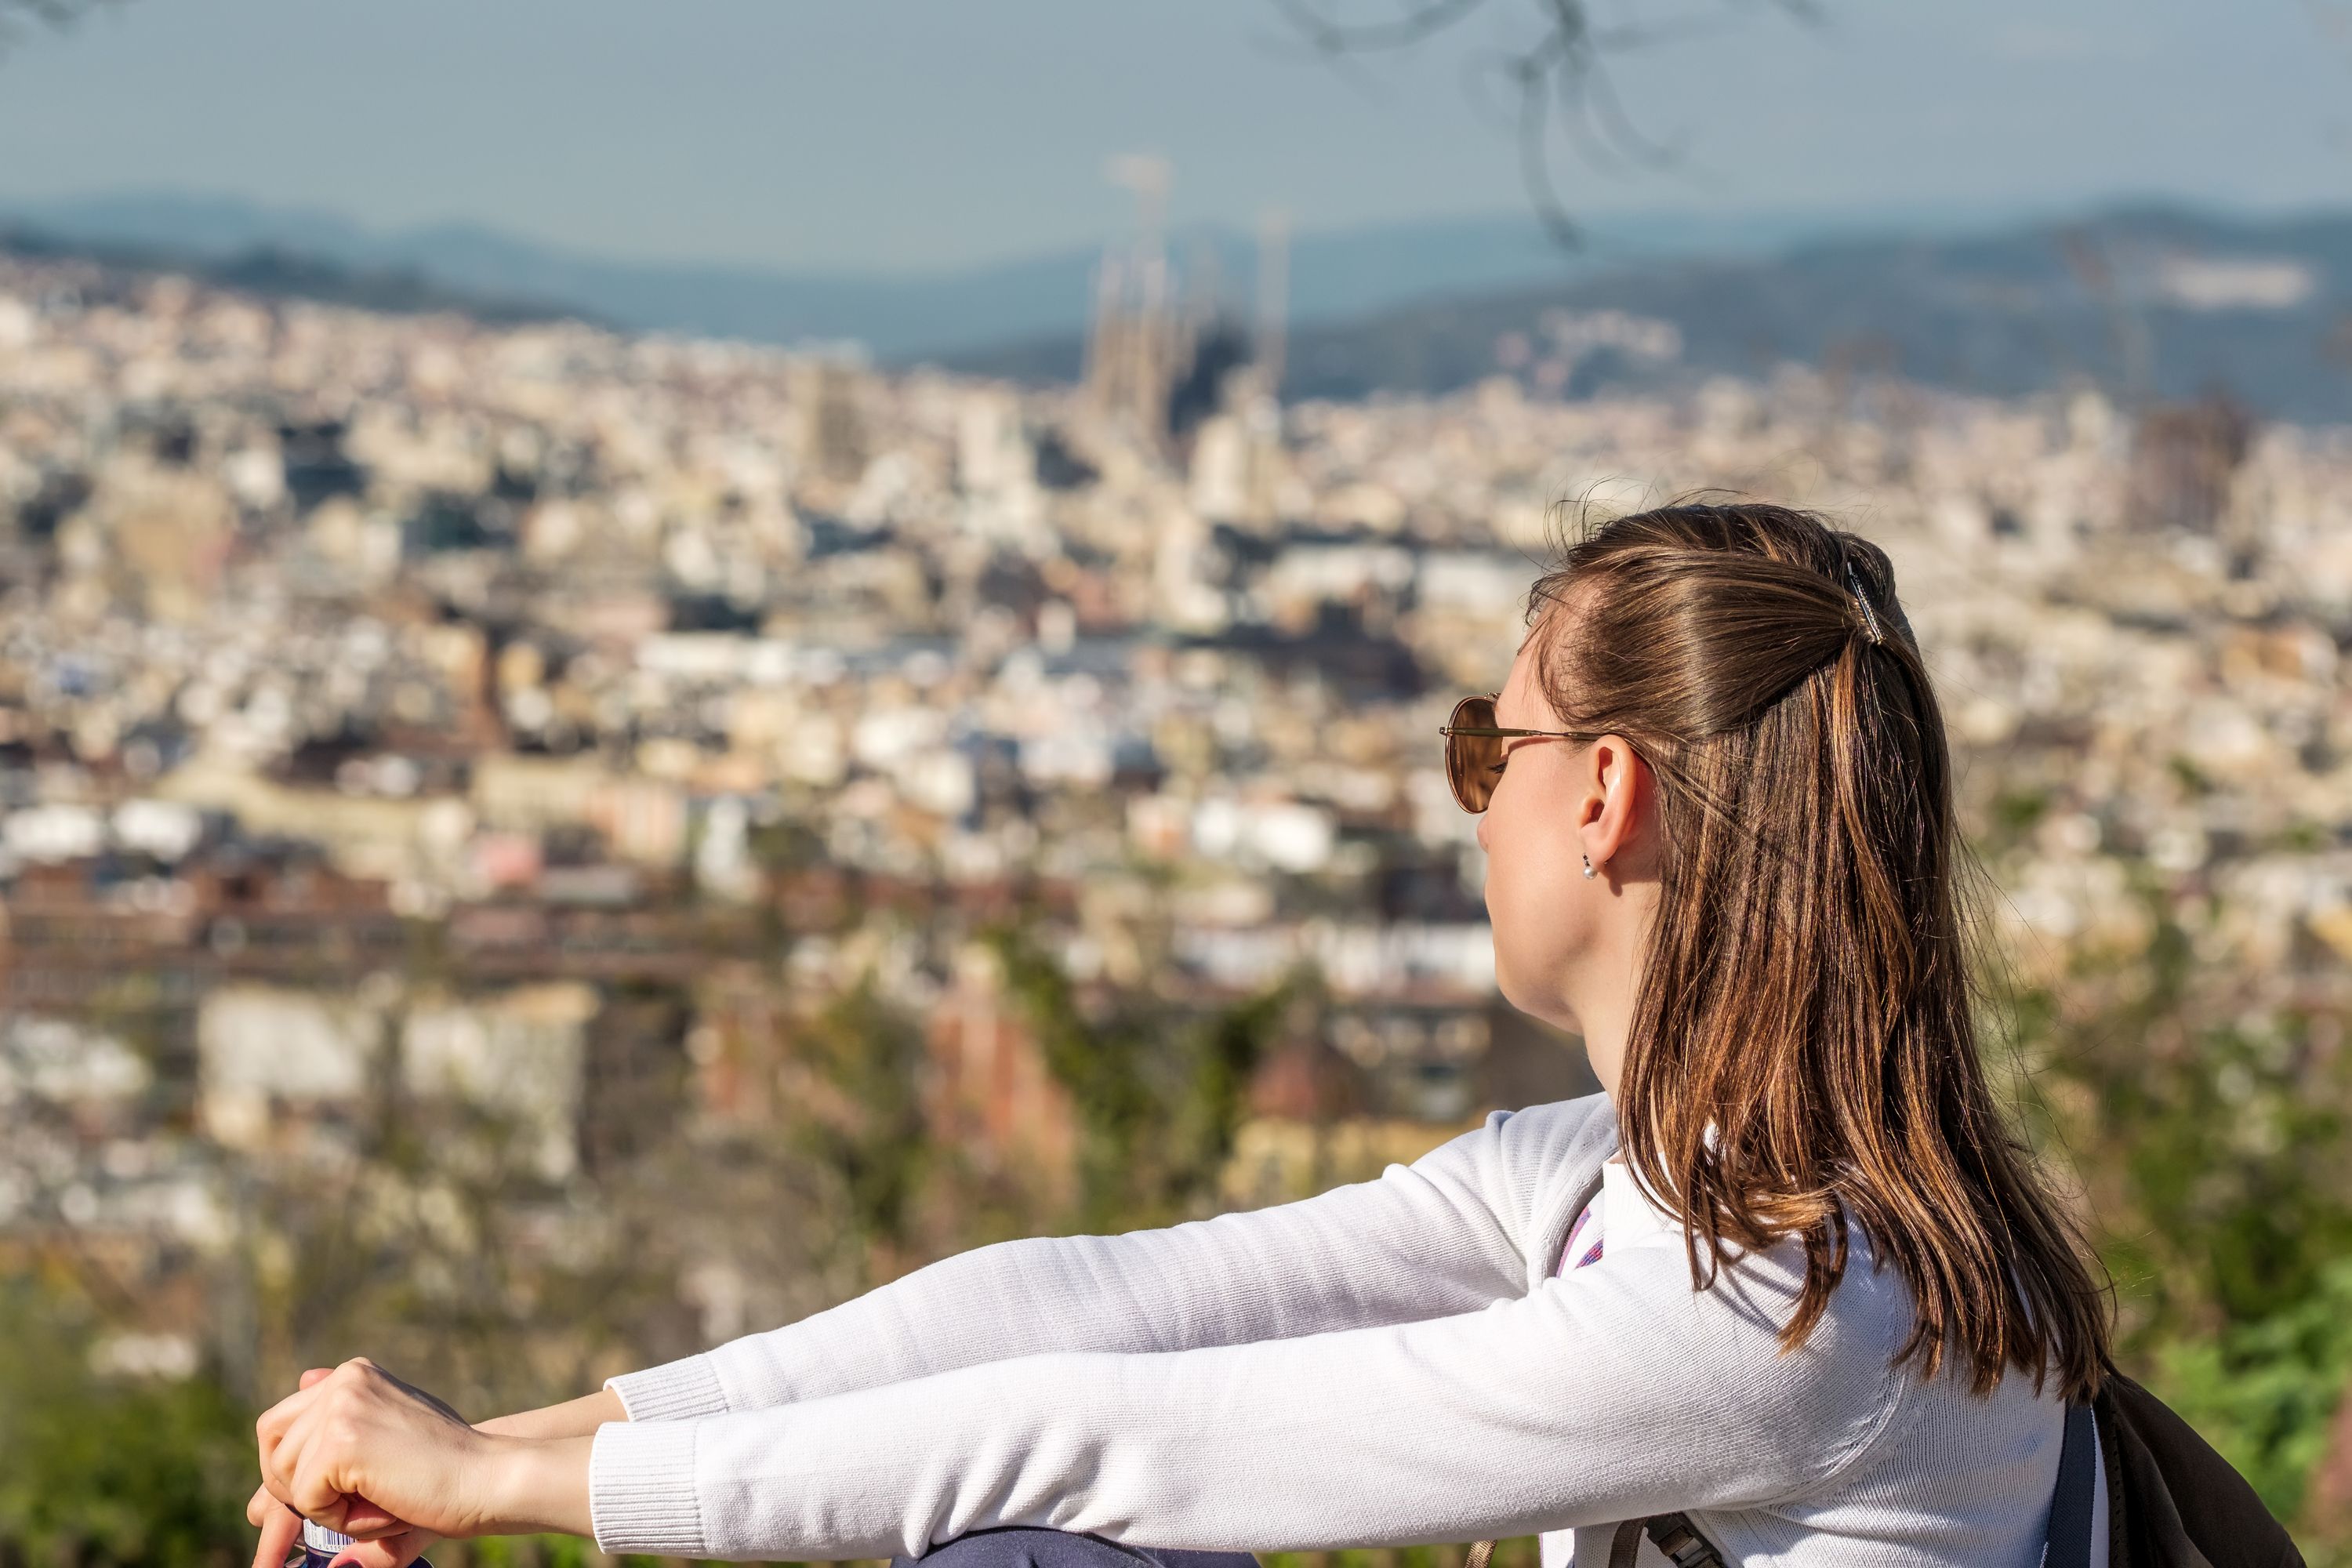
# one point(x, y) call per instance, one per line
point(1569, 1256)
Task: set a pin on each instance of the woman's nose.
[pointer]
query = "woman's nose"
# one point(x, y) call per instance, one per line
point(1485, 817)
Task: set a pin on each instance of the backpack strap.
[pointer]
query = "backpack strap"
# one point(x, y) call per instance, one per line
point(2071, 1502)
point(1675, 1535)
point(1672, 1534)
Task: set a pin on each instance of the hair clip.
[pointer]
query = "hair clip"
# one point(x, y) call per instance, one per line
point(1869, 616)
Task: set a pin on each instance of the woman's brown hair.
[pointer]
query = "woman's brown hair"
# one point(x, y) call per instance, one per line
point(1803, 1048)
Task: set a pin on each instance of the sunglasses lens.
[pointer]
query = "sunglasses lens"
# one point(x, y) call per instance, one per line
point(1473, 761)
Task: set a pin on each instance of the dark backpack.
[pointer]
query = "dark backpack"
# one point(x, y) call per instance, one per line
point(2172, 1502)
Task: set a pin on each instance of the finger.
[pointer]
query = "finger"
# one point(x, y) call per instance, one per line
point(309, 1471)
point(278, 1532)
point(310, 1459)
point(276, 1419)
point(317, 1497)
point(274, 1484)
point(259, 1507)
point(391, 1552)
point(273, 1477)
point(363, 1520)
point(317, 1374)
point(282, 1459)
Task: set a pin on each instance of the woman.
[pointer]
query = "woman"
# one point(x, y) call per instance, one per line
point(1789, 1276)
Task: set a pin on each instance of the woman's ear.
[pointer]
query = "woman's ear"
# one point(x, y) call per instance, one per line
point(1612, 815)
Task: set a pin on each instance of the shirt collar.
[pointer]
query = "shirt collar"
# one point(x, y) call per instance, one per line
point(1627, 1215)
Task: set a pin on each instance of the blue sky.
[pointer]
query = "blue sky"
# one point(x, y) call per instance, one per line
point(934, 134)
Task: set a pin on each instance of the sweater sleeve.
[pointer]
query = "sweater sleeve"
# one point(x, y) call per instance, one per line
point(1448, 1234)
point(1614, 1391)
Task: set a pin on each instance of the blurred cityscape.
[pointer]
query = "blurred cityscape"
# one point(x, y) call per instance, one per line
point(492, 816)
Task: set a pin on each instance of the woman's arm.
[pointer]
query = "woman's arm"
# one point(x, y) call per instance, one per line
point(1472, 1221)
point(1604, 1396)
point(1448, 1234)
point(1612, 1393)
point(573, 1418)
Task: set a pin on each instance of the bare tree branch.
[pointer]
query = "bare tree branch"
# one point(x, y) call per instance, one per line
point(19, 18)
point(1412, 27)
point(56, 13)
point(1559, 80)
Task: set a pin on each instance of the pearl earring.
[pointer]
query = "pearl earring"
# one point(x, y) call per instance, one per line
point(1588, 867)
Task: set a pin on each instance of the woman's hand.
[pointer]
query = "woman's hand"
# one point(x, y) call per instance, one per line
point(360, 1451)
point(281, 1527)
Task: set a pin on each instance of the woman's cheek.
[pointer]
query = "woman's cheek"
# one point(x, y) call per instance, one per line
point(1538, 914)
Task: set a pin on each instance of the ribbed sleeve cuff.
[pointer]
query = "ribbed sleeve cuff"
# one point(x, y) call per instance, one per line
point(684, 1390)
point(641, 1494)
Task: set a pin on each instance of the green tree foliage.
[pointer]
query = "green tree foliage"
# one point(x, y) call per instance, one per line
point(99, 1471)
point(1157, 1094)
point(2209, 1134)
point(2265, 1392)
point(859, 1114)
point(1518, 1552)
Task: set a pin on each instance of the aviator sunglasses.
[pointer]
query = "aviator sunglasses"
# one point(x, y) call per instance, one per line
point(1476, 747)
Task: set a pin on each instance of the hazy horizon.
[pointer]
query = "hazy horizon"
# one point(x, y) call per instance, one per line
point(928, 137)
point(89, 215)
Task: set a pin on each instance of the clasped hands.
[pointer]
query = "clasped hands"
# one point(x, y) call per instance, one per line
point(361, 1452)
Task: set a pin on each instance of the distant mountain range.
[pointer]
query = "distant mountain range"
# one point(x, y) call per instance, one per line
point(905, 315)
point(2146, 300)
point(273, 270)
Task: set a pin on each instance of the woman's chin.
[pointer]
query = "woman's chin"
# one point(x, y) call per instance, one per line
point(1537, 1003)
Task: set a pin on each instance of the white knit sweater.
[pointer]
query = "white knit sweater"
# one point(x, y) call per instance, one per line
point(1388, 1363)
